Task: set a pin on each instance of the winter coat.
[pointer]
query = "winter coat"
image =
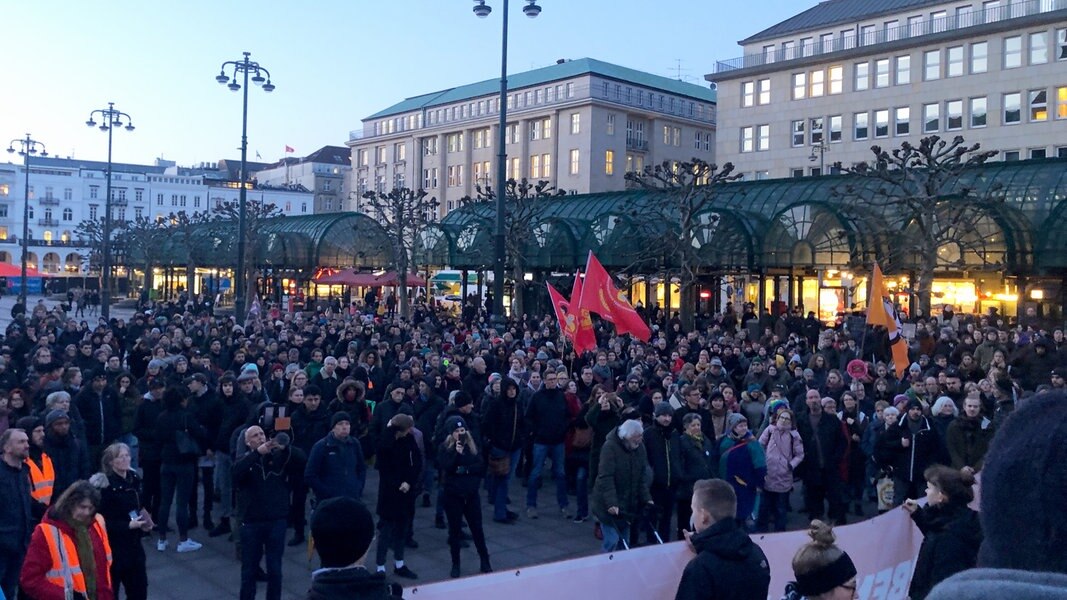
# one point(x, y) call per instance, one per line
point(234, 412)
point(118, 498)
point(168, 425)
point(728, 566)
point(602, 422)
point(504, 426)
point(149, 446)
point(660, 446)
point(951, 537)
point(694, 460)
point(264, 482)
point(70, 459)
point(968, 441)
point(399, 461)
point(471, 420)
point(101, 415)
point(784, 452)
point(922, 452)
point(39, 562)
point(622, 481)
point(16, 509)
point(744, 466)
point(384, 412)
point(829, 438)
point(336, 468)
point(462, 472)
point(351, 583)
point(310, 427)
point(888, 447)
point(548, 417)
point(426, 412)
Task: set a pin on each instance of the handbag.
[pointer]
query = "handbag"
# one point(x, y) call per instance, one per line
point(187, 445)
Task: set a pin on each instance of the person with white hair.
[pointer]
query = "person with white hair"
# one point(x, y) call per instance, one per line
point(622, 485)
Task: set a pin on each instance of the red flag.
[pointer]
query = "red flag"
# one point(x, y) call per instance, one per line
point(599, 295)
point(584, 338)
point(289, 149)
point(568, 326)
point(880, 311)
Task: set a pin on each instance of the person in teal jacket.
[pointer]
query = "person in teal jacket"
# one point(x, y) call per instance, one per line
point(743, 465)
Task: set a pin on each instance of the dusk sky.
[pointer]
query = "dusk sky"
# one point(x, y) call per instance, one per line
point(333, 62)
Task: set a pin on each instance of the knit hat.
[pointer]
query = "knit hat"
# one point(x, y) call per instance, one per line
point(900, 399)
point(915, 368)
point(663, 408)
point(343, 530)
point(338, 417)
point(914, 403)
point(453, 423)
point(716, 362)
point(156, 363)
point(55, 415)
point(541, 355)
point(826, 578)
point(494, 378)
point(1024, 484)
point(250, 368)
point(28, 424)
point(775, 406)
point(732, 420)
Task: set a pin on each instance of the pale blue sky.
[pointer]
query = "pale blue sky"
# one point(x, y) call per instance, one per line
point(333, 61)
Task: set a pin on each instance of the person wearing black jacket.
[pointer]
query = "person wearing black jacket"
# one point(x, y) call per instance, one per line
point(695, 457)
point(548, 419)
point(504, 427)
point(399, 465)
point(206, 408)
point(951, 531)
point(921, 449)
point(263, 477)
point(728, 565)
point(149, 447)
point(234, 410)
point(428, 406)
point(343, 529)
point(70, 459)
point(16, 512)
point(176, 472)
point(385, 410)
point(661, 441)
point(824, 446)
point(311, 423)
point(462, 467)
point(120, 498)
point(351, 400)
point(101, 413)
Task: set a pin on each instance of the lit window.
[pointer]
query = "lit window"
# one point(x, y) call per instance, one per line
point(1038, 105)
point(881, 123)
point(609, 162)
point(837, 74)
point(1061, 102)
point(764, 86)
point(576, 123)
point(764, 137)
point(817, 83)
point(576, 161)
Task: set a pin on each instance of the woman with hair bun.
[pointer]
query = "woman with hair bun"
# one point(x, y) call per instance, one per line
point(823, 571)
point(951, 531)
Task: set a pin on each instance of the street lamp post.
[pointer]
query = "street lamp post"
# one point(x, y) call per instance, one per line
point(244, 66)
point(110, 118)
point(821, 148)
point(29, 146)
point(482, 10)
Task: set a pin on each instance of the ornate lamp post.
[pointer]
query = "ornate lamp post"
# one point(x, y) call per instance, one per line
point(28, 146)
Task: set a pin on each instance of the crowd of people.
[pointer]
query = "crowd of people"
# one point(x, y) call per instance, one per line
point(701, 434)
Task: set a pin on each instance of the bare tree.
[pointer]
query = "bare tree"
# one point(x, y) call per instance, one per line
point(142, 240)
point(257, 213)
point(404, 213)
point(933, 218)
point(674, 226)
point(91, 232)
point(522, 201)
point(184, 226)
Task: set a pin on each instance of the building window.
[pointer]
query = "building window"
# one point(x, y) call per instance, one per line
point(94, 191)
point(576, 162)
point(92, 212)
point(902, 121)
point(609, 162)
point(1038, 105)
point(763, 141)
point(1061, 102)
point(1013, 52)
point(818, 83)
point(1012, 108)
point(881, 123)
point(515, 171)
point(978, 112)
point(796, 173)
point(400, 151)
point(666, 135)
point(570, 90)
point(1061, 44)
point(1061, 152)
point(68, 194)
point(860, 126)
point(881, 73)
point(837, 76)
point(764, 89)
point(379, 155)
point(535, 166)
point(826, 43)
point(1039, 48)
point(954, 61)
point(789, 50)
point(979, 57)
point(546, 129)
point(455, 175)
point(868, 35)
point(797, 129)
point(68, 214)
point(800, 86)
point(576, 123)
point(953, 115)
point(835, 128)
point(1038, 153)
point(611, 124)
point(903, 69)
point(892, 30)
point(748, 93)
point(932, 65)
point(932, 117)
point(915, 26)
point(1011, 155)
point(747, 139)
point(455, 142)
point(816, 131)
point(862, 76)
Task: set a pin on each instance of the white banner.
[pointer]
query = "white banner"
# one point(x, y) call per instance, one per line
point(883, 548)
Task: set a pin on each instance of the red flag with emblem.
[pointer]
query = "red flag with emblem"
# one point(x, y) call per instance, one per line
point(600, 296)
point(560, 305)
point(584, 338)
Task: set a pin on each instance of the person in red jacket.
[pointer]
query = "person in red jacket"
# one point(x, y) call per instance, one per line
point(69, 550)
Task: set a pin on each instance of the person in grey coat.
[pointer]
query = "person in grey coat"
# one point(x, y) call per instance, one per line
point(622, 485)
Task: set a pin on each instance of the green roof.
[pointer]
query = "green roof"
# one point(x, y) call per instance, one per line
point(565, 70)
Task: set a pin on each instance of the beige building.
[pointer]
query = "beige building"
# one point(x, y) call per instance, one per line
point(579, 124)
point(830, 82)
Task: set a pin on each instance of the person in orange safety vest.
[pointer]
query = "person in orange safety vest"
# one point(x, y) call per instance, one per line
point(42, 472)
point(69, 552)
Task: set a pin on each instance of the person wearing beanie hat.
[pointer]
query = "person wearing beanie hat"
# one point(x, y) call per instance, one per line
point(336, 467)
point(661, 444)
point(462, 469)
point(663, 409)
point(70, 456)
point(399, 464)
point(743, 465)
point(384, 411)
point(921, 448)
point(343, 530)
point(41, 468)
point(822, 570)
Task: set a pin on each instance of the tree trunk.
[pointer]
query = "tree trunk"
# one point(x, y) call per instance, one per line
point(924, 283)
point(518, 305)
point(687, 298)
point(402, 284)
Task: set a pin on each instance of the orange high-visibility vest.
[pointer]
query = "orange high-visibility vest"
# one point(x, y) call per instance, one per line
point(42, 479)
point(66, 571)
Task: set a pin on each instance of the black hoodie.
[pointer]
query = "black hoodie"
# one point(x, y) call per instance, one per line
point(352, 583)
point(951, 537)
point(728, 565)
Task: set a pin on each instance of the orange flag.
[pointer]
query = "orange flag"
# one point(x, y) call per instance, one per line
point(584, 338)
point(600, 296)
point(880, 311)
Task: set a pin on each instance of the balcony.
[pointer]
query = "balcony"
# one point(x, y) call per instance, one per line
point(861, 37)
point(120, 202)
point(49, 201)
point(48, 222)
point(638, 144)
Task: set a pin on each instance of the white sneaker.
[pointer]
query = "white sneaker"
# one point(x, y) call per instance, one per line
point(189, 546)
point(161, 545)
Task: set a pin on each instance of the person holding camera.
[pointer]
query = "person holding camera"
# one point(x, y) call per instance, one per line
point(462, 467)
point(264, 478)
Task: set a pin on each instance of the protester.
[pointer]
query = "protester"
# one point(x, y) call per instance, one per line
point(784, 451)
point(696, 458)
point(178, 463)
point(16, 507)
point(462, 468)
point(399, 465)
point(69, 455)
point(921, 448)
point(968, 436)
point(744, 466)
point(824, 447)
point(548, 420)
point(125, 519)
point(336, 467)
point(822, 570)
point(343, 530)
point(727, 564)
point(622, 484)
point(661, 444)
